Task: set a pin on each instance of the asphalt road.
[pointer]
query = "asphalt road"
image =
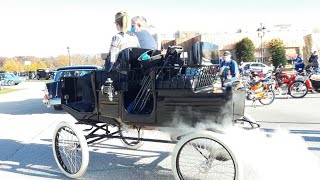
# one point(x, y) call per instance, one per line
point(26, 130)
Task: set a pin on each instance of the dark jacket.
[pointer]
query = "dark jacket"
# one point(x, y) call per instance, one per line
point(314, 60)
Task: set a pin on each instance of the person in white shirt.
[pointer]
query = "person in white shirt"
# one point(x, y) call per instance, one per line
point(122, 40)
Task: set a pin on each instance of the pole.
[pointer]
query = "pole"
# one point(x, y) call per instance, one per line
point(261, 31)
point(261, 50)
point(69, 55)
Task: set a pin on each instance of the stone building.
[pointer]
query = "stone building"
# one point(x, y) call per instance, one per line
point(295, 41)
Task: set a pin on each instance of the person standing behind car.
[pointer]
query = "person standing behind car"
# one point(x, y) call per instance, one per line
point(228, 68)
point(298, 64)
point(124, 39)
point(313, 60)
point(146, 40)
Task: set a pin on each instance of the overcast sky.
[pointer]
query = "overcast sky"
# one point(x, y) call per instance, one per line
point(47, 27)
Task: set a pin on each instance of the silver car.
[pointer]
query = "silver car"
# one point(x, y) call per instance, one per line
point(256, 66)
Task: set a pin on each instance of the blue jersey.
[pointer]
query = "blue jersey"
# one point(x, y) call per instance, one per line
point(232, 66)
point(298, 66)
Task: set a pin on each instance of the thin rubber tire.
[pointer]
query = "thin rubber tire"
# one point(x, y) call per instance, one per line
point(271, 97)
point(295, 83)
point(214, 155)
point(131, 132)
point(66, 150)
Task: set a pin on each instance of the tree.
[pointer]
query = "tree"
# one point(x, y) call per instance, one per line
point(277, 52)
point(62, 60)
point(36, 64)
point(12, 65)
point(245, 50)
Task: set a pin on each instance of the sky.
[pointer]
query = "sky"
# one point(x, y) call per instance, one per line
point(45, 28)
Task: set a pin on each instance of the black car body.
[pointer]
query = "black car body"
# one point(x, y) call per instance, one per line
point(150, 92)
point(53, 89)
point(44, 73)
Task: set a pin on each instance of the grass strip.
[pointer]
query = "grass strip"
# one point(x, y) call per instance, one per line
point(8, 90)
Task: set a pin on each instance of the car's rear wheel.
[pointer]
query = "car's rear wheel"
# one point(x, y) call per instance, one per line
point(205, 155)
point(57, 107)
point(298, 89)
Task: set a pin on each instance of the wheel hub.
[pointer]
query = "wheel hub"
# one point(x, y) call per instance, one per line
point(72, 147)
point(206, 165)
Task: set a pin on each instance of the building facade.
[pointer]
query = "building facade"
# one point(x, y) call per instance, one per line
point(295, 41)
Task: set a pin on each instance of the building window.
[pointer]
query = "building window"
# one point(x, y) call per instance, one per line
point(184, 35)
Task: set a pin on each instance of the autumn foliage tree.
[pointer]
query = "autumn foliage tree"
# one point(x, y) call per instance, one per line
point(277, 52)
point(36, 64)
point(62, 60)
point(18, 63)
point(12, 65)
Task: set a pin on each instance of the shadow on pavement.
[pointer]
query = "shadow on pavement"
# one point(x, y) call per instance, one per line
point(28, 106)
point(27, 159)
point(37, 161)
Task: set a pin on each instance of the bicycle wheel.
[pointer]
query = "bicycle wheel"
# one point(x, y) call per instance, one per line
point(204, 155)
point(298, 89)
point(133, 133)
point(268, 97)
point(70, 150)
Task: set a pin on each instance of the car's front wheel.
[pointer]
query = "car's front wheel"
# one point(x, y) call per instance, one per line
point(70, 150)
point(11, 83)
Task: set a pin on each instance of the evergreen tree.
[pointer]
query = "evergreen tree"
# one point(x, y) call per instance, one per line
point(245, 50)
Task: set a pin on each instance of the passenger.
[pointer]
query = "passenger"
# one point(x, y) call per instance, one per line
point(228, 68)
point(146, 40)
point(298, 64)
point(124, 39)
point(154, 32)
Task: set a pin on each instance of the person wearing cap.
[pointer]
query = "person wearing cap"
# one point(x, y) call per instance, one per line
point(298, 63)
point(228, 68)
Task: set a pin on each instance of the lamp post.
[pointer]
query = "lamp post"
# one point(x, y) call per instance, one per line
point(261, 32)
point(69, 55)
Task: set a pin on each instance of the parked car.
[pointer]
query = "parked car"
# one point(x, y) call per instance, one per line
point(1, 83)
point(52, 95)
point(44, 73)
point(256, 66)
point(10, 79)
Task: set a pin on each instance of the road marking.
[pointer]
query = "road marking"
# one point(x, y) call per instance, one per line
point(312, 137)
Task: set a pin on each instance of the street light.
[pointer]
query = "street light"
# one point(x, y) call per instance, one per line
point(261, 33)
point(69, 55)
